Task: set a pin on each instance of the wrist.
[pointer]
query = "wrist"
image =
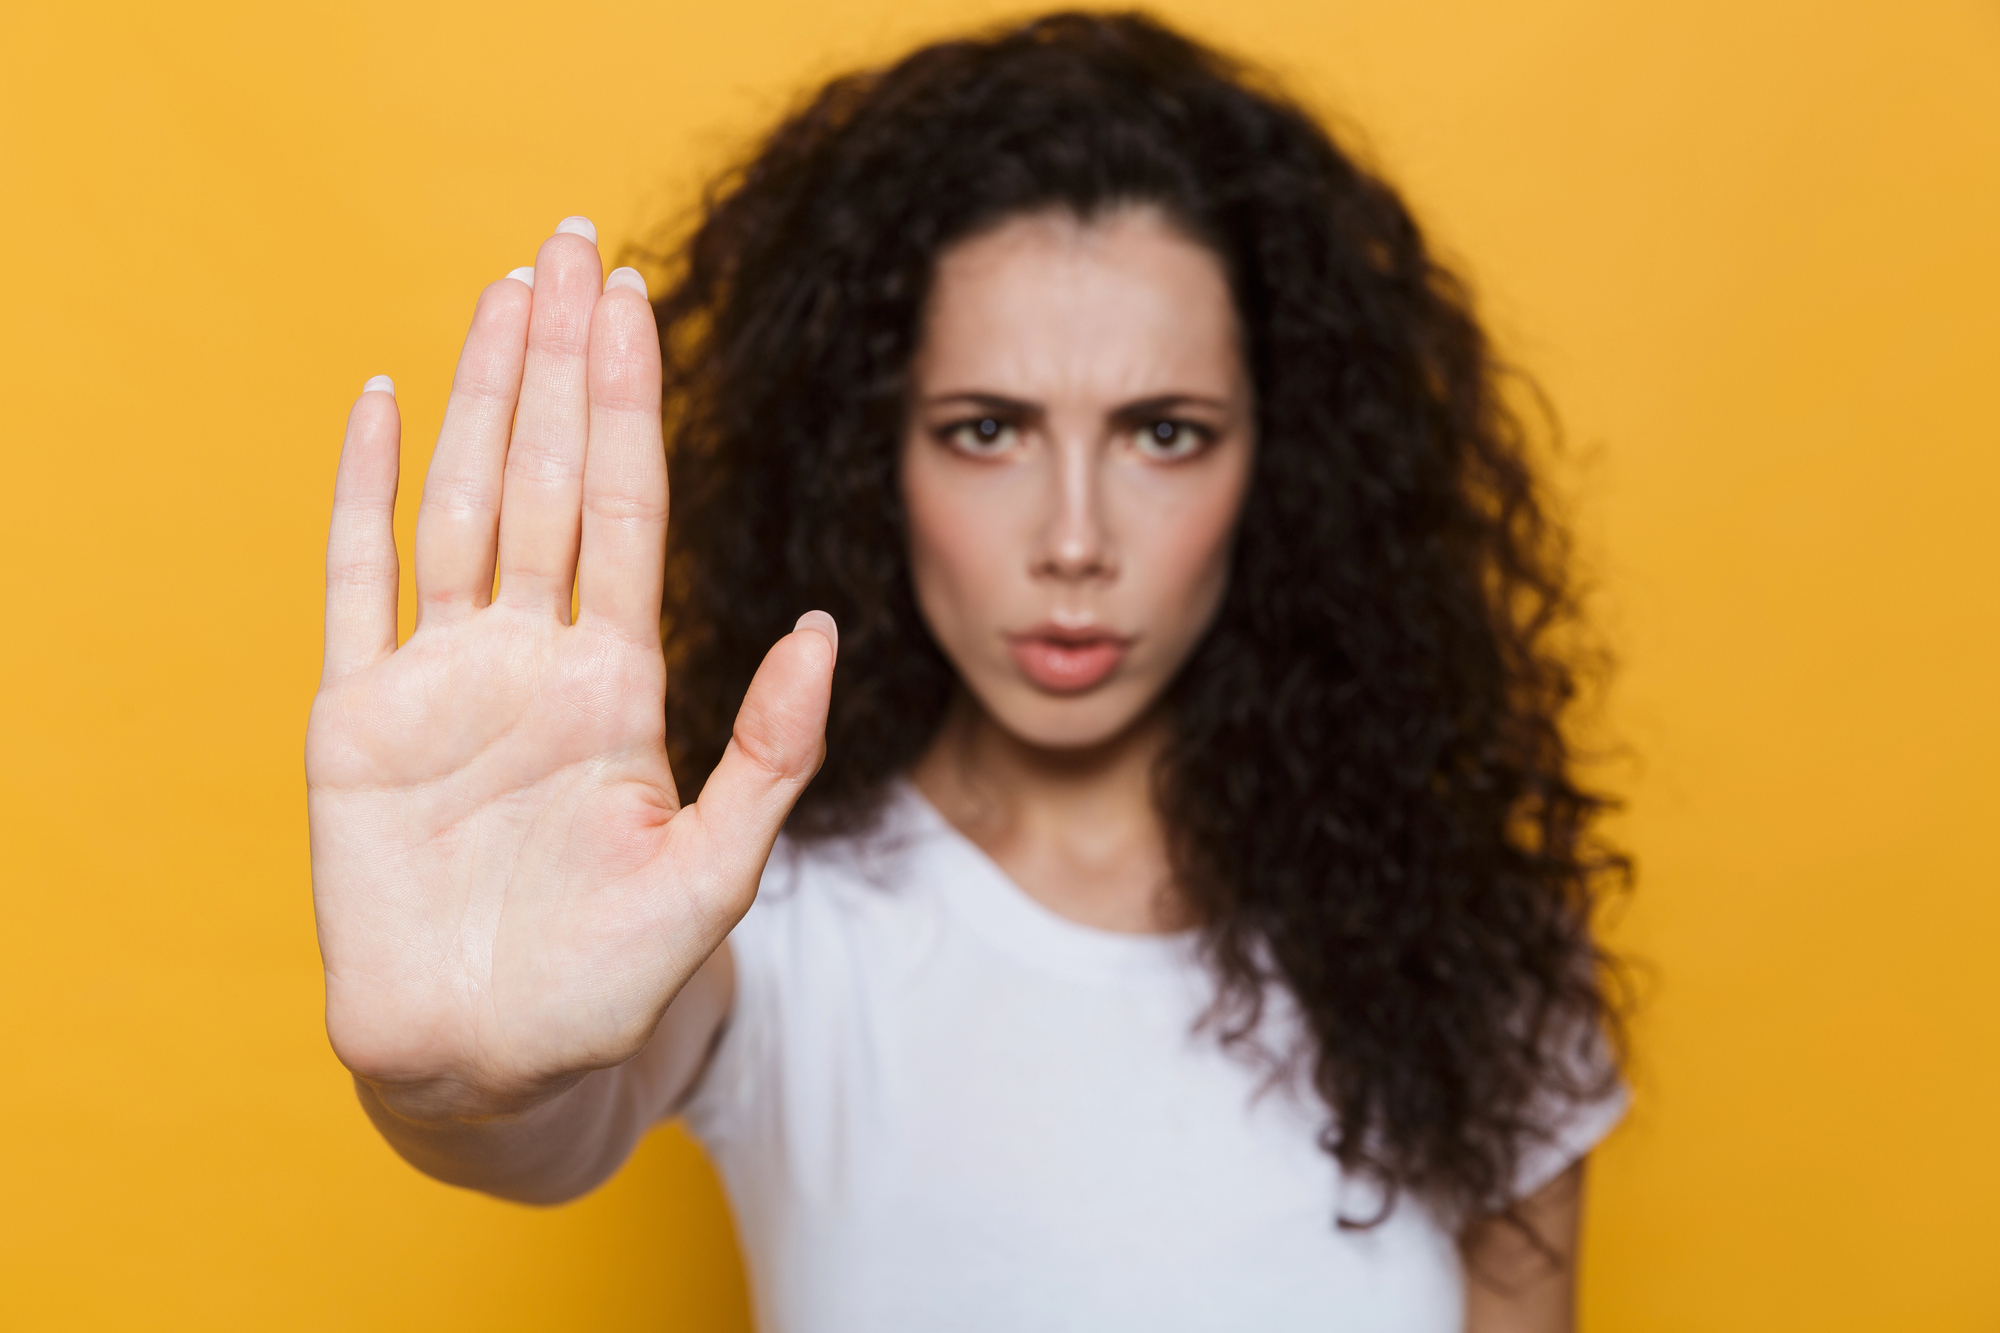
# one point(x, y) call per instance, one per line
point(430, 1105)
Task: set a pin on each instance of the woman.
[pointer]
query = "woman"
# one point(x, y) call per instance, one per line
point(1187, 926)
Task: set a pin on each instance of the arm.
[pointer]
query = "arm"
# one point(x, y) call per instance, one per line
point(516, 913)
point(1514, 1285)
point(573, 1142)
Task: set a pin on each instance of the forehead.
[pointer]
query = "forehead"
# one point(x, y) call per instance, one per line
point(1047, 303)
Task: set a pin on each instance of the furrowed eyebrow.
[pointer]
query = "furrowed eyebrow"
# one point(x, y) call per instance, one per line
point(1141, 409)
point(1165, 405)
point(998, 404)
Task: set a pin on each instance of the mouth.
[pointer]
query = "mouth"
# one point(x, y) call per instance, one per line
point(1067, 661)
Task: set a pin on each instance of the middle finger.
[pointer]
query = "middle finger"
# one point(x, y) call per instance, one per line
point(542, 494)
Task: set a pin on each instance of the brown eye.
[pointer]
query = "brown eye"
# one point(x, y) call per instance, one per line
point(981, 436)
point(1168, 440)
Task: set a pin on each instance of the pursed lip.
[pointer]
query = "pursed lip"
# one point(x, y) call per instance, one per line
point(1065, 659)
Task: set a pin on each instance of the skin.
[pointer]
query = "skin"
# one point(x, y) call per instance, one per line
point(523, 929)
point(1076, 346)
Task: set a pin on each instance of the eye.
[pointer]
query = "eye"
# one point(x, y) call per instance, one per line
point(1169, 440)
point(982, 437)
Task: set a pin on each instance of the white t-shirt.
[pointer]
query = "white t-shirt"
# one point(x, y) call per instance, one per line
point(940, 1106)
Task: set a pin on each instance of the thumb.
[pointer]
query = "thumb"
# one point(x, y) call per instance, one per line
point(776, 747)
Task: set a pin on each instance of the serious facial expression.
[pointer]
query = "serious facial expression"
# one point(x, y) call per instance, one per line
point(1079, 443)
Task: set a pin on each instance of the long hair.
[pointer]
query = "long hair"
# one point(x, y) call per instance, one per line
point(1368, 787)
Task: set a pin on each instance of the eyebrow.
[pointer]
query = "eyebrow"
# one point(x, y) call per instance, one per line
point(1002, 405)
point(998, 404)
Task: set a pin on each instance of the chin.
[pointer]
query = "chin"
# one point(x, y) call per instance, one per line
point(1067, 722)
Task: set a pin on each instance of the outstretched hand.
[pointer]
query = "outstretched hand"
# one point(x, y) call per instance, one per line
point(509, 891)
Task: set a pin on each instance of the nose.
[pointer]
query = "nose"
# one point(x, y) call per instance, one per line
point(1075, 545)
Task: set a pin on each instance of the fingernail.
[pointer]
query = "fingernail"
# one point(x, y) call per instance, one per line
point(625, 277)
point(820, 623)
point(380, 384)
point(578, 227)
point(526, 275)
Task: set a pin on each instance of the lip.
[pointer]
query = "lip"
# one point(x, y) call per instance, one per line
point(1063, 660)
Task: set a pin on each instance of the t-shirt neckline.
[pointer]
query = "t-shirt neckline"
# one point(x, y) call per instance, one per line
point(987, 898)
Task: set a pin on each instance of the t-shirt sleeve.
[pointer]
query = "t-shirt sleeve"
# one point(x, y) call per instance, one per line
point(1571, 1126)
point(1577, 1130)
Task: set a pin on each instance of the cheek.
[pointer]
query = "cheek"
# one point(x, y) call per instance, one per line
point(959, 530)
point(1177, 555)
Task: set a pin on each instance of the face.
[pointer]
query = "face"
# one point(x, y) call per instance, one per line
point(1078, 447)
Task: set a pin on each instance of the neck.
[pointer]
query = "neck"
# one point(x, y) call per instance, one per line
point(1074, 828)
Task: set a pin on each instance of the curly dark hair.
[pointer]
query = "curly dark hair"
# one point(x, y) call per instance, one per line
point(1368, 786)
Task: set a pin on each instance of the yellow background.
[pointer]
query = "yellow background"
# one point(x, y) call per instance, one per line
point(1750, 248)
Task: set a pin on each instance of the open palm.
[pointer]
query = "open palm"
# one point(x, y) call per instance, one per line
point(509, 892)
